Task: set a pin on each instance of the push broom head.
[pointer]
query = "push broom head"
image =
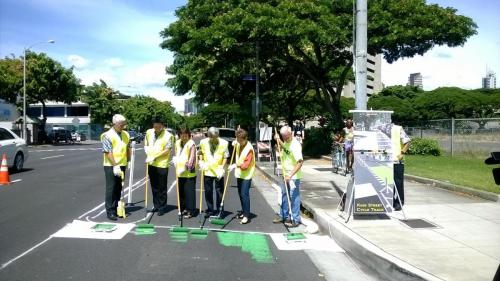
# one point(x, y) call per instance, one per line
point(218, 221)
point(179, 229)
point(199, 232)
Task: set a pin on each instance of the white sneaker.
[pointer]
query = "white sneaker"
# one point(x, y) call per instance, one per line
point(245, 220)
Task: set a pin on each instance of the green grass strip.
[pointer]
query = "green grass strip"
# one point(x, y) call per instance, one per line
point(465, 171)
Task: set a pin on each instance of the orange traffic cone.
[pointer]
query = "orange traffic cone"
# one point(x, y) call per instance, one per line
point(4, 171)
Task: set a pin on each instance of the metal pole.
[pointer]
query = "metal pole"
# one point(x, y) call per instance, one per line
point(257, 82)
point(131, 175)
point(25, 137)
point(361, 53)
point(452, 133)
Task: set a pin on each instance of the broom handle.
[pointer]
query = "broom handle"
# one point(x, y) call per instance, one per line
point(177, 183)
point(201, 186)
point(284, 180)
point(146, 189)
point(227, 178)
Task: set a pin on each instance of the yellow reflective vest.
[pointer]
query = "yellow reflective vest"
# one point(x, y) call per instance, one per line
point(156, 146)
point(215, 160)
point(397, 145)
point(183, 154)
point(240, 158)
point(288, 159)
point(119, 147)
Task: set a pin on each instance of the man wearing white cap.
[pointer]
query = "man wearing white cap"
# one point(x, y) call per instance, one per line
point(215, 153)
point(116, 154)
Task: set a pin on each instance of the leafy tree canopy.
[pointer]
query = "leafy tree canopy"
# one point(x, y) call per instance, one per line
point(215, 43)
point(140, 110)
point(102, 101)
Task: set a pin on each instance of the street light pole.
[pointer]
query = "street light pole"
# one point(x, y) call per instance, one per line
point(25, 135)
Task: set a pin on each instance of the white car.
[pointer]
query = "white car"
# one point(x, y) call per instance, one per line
point(14, 147)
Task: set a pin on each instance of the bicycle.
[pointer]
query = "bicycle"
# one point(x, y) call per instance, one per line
point(338, 158)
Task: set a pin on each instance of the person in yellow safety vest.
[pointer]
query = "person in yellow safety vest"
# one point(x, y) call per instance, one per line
point(291, 160)
point(214, 151)
point(184, 161)
point(245, 167)
point(157, 145)
point(116, 154)
point(400, 145)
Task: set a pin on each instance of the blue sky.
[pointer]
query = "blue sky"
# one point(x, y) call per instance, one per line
point(117, 41)
point(460, 66)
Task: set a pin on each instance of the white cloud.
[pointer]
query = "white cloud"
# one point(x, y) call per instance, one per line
point(77, 61)
point(89, 76)
point(166, 94)
point(148, 74)
point(114, 62)
point(443, 66)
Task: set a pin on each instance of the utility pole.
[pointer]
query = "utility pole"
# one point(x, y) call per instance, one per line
point(257, 83)
point(360, 50)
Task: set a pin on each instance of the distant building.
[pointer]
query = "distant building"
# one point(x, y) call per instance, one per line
point(490, 80)
point(190, 107)
point(374, 78)
point(415, 80)
point(74, 117)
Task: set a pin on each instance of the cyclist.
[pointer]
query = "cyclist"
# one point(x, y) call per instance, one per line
point(337, 151)
point(348, 133)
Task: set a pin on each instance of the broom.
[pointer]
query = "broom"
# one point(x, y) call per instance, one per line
point(146, 190)
point(286, 187)
point(219, 220)
point(179, 228)
point(201, 231)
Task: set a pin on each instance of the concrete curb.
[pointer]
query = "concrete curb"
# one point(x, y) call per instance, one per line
point(449, 186)
point(386, 265)
point(456, 188)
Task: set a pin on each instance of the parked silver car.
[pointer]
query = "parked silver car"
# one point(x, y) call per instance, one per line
point(14, 147)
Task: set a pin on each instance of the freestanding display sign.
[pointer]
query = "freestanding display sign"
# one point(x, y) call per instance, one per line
point(371, 188)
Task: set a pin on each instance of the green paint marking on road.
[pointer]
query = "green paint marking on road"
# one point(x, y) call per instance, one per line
point(145, 229)
point(384, 173)
point(180, 237)
point(295, 236)
point(199, 236)
point(253, 243)
point(103, 227)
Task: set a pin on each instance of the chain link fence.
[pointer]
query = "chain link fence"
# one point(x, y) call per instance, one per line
point(461, 136)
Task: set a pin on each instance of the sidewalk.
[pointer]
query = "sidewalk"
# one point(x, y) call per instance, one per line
point(464, 245)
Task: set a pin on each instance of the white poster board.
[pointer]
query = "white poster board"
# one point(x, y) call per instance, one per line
point(373, 166)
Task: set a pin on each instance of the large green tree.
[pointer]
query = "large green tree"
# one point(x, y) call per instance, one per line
point(102, 100)
point(140, 110)
point(215, 42)
point(11, 79)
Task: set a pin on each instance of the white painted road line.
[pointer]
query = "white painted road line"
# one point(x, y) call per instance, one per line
point(18, 180)
point(25, 253)
point(50, 157)
point(137, 184)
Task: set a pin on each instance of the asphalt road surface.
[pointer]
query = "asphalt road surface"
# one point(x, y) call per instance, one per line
point(65, 183)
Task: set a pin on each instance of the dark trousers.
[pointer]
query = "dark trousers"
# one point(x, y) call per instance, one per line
point(187, 194)
point(209, 183)
point(113, 189)
point(399, 174)
point(158, 178)
point(244, 193)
